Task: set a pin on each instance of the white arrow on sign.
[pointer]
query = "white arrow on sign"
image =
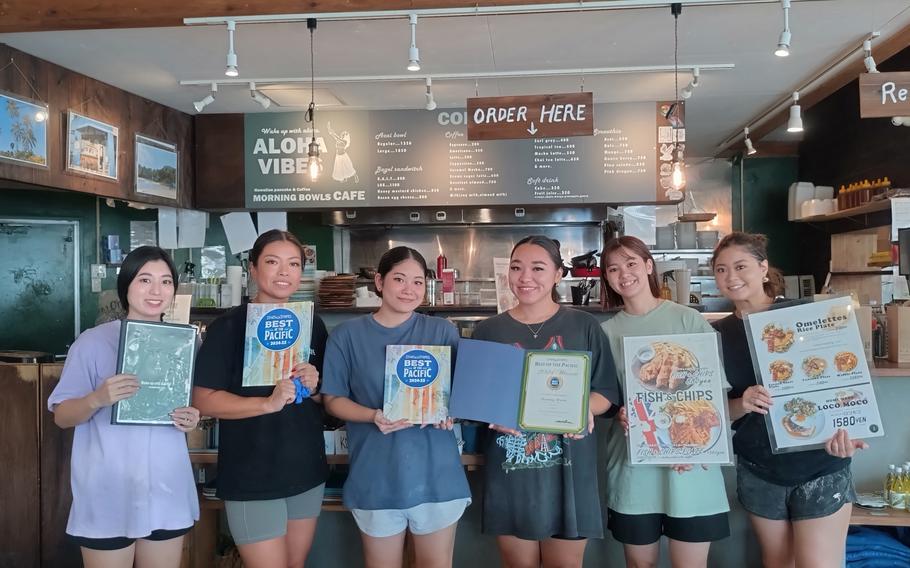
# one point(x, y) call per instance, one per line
point(533, 129)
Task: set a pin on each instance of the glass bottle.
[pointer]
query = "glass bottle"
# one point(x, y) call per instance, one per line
point(897, 497)
point(889, 482)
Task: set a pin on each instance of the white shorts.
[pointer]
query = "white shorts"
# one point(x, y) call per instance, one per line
point(425, 518)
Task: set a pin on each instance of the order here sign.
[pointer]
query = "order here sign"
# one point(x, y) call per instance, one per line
point(531, 116)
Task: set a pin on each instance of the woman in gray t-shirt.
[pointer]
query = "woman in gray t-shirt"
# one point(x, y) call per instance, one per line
point(540, 496)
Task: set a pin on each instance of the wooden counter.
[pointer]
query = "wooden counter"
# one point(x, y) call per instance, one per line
point(886, 517)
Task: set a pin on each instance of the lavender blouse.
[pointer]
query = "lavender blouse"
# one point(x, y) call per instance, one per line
point(126, 480)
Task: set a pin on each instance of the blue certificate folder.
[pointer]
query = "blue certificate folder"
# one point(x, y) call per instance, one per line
point(487, 383)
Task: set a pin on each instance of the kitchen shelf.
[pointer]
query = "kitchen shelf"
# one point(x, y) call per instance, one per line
point(878, 272)
point(871, 207)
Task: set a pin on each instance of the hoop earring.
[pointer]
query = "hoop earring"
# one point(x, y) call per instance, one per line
point(765, 280)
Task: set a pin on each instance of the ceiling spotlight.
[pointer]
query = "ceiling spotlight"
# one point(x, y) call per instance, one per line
point(750, 149)
point(209, 99)
point(259, 97)
point(231, 69)
point(795, 123)
point(413, 54)
point(783, 42)
point(41, 115)
point(868, 61)
point(431, 102)
point(687, 91)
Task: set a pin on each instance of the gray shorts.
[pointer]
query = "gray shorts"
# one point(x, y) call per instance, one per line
point(255, 521)
point(813, 499)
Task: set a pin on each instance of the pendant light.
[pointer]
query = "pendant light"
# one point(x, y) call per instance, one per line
point(678, 176)
point(783, 42)
point(231, 68)
point(313, 163)
point(795, 123)
point(413, 52)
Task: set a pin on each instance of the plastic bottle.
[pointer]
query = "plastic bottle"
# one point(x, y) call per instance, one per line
point(897, 496)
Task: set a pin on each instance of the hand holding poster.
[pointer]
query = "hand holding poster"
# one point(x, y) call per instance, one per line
point(811, 358)
point(676, 400)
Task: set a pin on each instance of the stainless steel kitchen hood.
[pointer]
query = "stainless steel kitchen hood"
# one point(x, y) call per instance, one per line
point(499, 215)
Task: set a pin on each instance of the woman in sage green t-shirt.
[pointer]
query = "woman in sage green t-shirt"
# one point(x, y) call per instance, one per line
point(686, 504)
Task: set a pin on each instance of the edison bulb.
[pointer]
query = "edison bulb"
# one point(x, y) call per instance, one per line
point(678, 178)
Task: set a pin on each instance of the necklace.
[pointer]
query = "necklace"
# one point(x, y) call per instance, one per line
point(536, 333)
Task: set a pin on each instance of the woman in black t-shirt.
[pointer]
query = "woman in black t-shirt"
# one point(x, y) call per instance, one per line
point(271, 455)
point(799, 503)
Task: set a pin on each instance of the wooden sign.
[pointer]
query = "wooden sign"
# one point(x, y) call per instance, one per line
point(532, 116)
point(884, 94)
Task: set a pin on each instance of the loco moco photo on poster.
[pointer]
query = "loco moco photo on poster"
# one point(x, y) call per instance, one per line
point(676, 400)
point(810, 357)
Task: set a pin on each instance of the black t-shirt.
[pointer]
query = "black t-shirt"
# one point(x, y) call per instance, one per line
point(750, 438)
point(270, 456)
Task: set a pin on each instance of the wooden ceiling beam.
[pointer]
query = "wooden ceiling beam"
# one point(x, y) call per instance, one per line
point(52, 15)
point(881, 50)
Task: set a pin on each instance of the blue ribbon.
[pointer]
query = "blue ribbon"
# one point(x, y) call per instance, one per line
point(300, 392)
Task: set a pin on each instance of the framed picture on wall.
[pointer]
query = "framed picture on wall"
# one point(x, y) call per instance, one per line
point(156, 167)
point(23, 130)
point(91, 146)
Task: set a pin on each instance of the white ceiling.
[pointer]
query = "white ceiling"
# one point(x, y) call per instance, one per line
point(150, 62)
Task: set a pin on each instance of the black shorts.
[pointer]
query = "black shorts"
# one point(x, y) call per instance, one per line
point(121, 542)
point(647, 529)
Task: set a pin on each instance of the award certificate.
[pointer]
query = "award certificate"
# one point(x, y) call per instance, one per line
point(161, 355)
point(555, 389)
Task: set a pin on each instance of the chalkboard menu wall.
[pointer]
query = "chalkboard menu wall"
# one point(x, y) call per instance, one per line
point(415, 157)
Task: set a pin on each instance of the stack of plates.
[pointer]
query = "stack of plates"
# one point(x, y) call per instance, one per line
point(336, 291)
point(306, 292)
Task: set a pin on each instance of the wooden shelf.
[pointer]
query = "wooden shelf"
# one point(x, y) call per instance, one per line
point(886, 517)
point(871, 207)
point(873, 272)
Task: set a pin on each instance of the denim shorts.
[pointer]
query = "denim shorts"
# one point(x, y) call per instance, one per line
point(421, 519)
point(813, 499)
point(255, 521)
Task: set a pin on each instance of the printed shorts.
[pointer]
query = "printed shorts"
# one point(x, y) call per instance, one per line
point(813, 499)
point(255, 521)
point(648, 528)
point(421, 519)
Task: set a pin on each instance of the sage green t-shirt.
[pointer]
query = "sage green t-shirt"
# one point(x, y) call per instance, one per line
point(644, 489)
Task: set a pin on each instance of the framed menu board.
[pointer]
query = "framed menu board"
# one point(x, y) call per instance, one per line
point(811, 358)
point(676, 400)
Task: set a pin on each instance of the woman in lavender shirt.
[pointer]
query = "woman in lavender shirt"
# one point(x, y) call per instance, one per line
point(133, 492)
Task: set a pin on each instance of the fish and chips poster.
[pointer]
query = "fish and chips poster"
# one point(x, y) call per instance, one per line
point(676, 400)
point(811, 358)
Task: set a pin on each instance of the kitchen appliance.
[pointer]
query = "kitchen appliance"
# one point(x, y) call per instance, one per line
point(585, 265)
point(802, 286)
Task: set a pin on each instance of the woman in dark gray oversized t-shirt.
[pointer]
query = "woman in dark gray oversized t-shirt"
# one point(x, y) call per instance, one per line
point(541, 496)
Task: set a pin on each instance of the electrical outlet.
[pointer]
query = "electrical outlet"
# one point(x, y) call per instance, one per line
point(98, 271)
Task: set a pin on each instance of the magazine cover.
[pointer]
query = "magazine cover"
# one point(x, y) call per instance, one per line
point(418, 380)
point(811, 358)
point(161, 355)
point(277, 338)
point(676, 400)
